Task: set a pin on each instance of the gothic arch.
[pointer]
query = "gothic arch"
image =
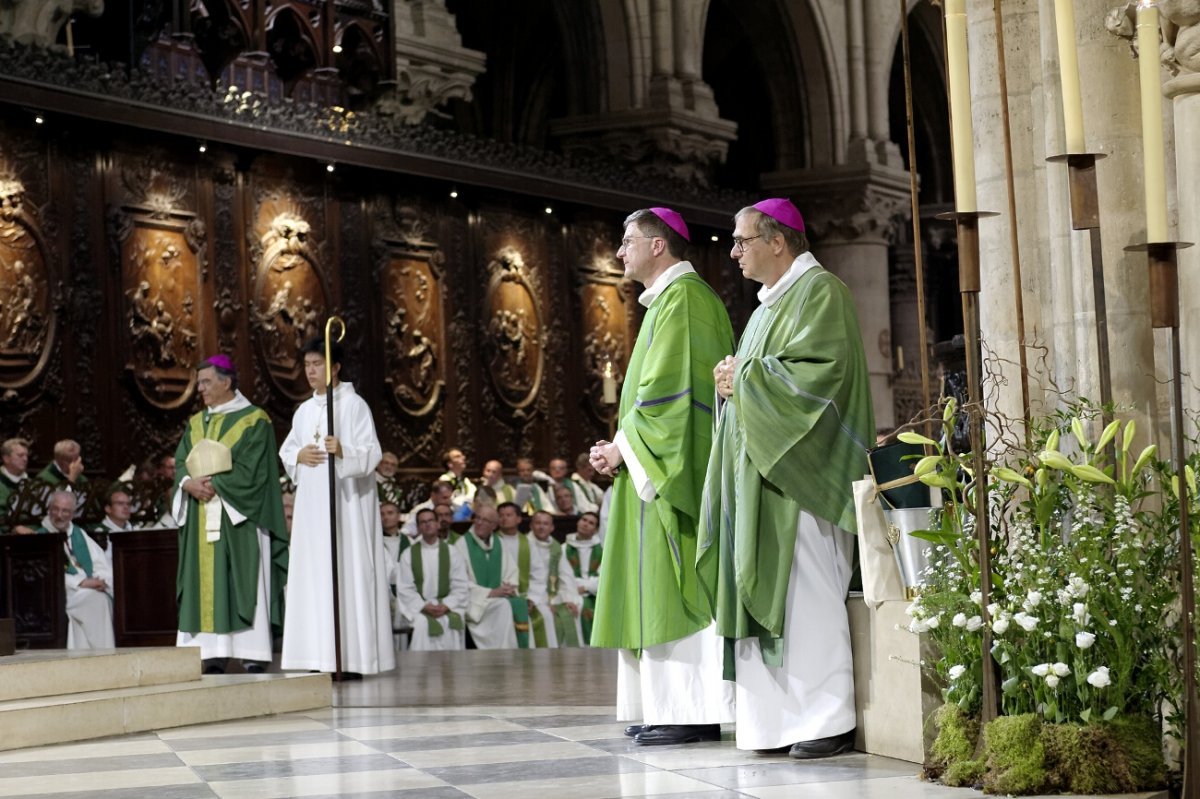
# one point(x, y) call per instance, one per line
point(292, 44)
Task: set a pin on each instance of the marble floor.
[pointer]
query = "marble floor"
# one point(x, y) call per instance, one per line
point(517, 725)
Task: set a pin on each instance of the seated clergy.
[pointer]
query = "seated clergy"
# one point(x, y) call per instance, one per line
point(553, 593)
point(527, 573)
point(88, 578)
point(583, 551)
point(445, 518)
point(564, 500)
point(493, 478)
point(587, 494)
point(494, 608)
point(385, 478)
point(14, 454)
point(460, 484)
point(432, 589)
point(440, 493)
point(394, 545)
point(117, 505)
point(66, 469)
point(529, 484)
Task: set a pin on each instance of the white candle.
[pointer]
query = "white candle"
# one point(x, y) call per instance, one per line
point(962, 131)
point(1068, 73)
point(70, 37)
point(610, 384)
point(1154, 159)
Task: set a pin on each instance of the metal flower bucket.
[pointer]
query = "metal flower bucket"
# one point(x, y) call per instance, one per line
point(909, 506)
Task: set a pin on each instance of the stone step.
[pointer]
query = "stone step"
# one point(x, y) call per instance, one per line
point(97, 714)
point(50, 672)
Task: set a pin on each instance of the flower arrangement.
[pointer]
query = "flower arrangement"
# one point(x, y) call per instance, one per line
point(1083, 613)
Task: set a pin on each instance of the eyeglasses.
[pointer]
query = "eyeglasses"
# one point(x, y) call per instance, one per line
point(739, 244)
point(625, 242)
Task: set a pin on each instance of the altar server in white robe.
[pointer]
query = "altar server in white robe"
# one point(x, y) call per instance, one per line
point(490, 606)
point(557, 593)
point(88, 577)
point(366, 626)
point(435, 607)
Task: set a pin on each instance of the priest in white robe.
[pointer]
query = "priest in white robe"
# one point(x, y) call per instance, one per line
point(493, 602)
point(353, 447)
point(88, 577)
point(558, 593)
point(432, 589)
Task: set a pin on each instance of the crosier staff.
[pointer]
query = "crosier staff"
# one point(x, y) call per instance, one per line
point(333, 537)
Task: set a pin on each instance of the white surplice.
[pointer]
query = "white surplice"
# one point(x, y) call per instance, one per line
point(89, 610)
point(811, 695)
point(410, 598)
point(366, 623)
point(489, 618)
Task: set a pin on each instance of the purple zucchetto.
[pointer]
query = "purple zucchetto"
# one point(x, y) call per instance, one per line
point(673, 220)
point(221, 361)
point(782, 211)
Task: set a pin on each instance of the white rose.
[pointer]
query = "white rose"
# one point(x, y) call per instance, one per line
point(1028, 623)
point(993, 608)
point(1033, 598)
point(1079, 613)
point(1051, 681)
point(1085, 640)
point(1041, 669)
point(957, 671)
point(1099, 678)
point(1061, 669)
point(1000, 625)
point(977, 597)
point(959, 620)
point(974, 623)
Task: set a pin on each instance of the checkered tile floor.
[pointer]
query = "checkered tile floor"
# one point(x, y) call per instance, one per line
point(438, 753)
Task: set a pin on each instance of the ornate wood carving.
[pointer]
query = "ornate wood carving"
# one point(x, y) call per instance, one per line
point(162, 254)
point(290, 296)
point(605, 317)
point(514, 339)
point(27, 315)
point(411, 278)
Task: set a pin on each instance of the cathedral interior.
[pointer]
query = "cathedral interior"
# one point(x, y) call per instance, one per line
point(449, 176)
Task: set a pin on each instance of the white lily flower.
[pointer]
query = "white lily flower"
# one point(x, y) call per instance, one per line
point(1051, 681)
point(977, 597)
point(957, 671)
point(993, 608)
point(1079, 613)
point(1084, 640)
point(959, 620)
point(974, 623)
point(1000, 625)
point(1061, 669)
point(1099, 678)
point(1032, 600)
point(1028, 623)
point(1041, 669)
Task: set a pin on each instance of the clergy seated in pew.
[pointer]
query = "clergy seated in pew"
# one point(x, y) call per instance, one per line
point(495, 613)
point(394, 545)
point(88, 578)
point(433, 589)
point(584, 552)
point(529, 577)
point(553, 593)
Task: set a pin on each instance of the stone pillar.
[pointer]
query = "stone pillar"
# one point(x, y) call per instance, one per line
point(38, 22)
point(676, 130)
point(1055, 261)
point(432, 66)
point(851, 214)
point(1184, 93)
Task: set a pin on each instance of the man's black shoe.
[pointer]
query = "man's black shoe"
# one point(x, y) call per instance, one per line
point(823, 747)
point(665, 734)
point(633, 729)
point(213, 665)
point(254, 667)
point(347, 676)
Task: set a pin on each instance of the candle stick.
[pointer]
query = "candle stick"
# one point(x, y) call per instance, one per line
point(1152, 127)
point(71, 37)
point(962, 131)
point(1068, 73)
point(610, 384)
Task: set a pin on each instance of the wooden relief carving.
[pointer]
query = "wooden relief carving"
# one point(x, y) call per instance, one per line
point(290, 296)
point(604, 300)
point(27, 316)
point(414, 331)
point(513, 334)
point(161, 247)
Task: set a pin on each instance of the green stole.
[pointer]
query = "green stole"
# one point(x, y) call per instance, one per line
point(488, 566)
point(443, 589)
point(564, 622)
point(79, 550)
point(588, 606)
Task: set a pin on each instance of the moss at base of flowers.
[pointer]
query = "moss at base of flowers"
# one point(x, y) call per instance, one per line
point(1016, 757)
point(957, 738)
point(1022, 755)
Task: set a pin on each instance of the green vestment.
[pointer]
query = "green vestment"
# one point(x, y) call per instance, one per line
point(53, 477)
point(792, 437)
point(587, 611)
point(217, 582)
point(648, 590)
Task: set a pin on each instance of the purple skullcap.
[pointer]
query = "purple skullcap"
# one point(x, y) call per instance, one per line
point(673, 220)
point(781, 210)
point(221, 361)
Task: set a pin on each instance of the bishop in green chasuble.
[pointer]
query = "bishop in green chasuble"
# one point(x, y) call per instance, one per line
point(231, 573)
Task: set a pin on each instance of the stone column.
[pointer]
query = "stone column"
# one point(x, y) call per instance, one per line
point(1184, 93)
point(432, 66)
point(850, 213)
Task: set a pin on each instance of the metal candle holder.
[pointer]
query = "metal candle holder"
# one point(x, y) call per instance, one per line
point(1162, 258)
point(967, 223)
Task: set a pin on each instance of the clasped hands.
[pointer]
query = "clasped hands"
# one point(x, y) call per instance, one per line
point(723, 374)
point(505, 590)
point(312, 455)
point(605, 457)
point(435, 609)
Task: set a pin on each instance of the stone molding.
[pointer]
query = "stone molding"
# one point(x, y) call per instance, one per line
point(38, 22)
point(432, 66)
point(1180, 24)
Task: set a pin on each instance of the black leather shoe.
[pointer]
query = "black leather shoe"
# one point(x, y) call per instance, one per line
point(214, 665)
point(823, 747)
point(665, 734)
point(633, 729)
point(254, 667)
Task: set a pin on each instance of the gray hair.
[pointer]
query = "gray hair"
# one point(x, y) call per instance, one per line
point(769, 227)
point(650, 224)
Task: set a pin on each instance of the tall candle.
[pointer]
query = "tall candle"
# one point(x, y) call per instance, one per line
point(1152, 129)
point(1068, 73)
point(70, 37)
point(609, 385)
point(962, 131)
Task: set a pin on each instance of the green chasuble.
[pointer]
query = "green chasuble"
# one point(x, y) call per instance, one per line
point(217, 581)
point(793, 437)
point(488, 567)
point(648, 590)
point(443, 590)
point(53, 477)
